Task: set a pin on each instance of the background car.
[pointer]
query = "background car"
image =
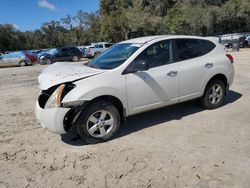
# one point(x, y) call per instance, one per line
point(101, 47)
point(40, 53)
point(89, 51)
point(61, 54)
point(30, 55)
point(14, 59)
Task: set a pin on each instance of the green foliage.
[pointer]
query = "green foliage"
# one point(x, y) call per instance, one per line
point(174, 21)
point(118, 20)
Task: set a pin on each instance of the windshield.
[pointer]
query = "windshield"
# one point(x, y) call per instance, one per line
point(114, 56)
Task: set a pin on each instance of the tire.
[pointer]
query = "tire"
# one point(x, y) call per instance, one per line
point(214, 94)
point(91, 125)
point(47, 61)
point(75, 58)
point(22, 64)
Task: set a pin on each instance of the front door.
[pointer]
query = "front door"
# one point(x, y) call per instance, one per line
point(159, 85)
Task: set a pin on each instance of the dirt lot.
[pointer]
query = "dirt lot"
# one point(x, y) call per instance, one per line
point(178, 146)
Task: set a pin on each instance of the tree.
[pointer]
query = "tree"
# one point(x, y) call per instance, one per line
point(119, 20)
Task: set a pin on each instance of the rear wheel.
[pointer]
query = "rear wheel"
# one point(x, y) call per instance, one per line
point(75, 58)
point(99, 122)
point(214, 95)
point(22, 64)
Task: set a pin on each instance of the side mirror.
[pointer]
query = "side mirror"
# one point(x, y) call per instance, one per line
point(136, 66)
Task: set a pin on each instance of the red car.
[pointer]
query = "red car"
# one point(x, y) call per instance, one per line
point(30, 56)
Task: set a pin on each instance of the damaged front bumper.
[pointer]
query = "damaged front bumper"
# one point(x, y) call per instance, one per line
point(52, 118)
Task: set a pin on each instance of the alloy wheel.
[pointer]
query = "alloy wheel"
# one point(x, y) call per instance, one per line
point(215, 94)
point(100, 123)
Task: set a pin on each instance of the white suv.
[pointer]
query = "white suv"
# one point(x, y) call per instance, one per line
point(131, 77)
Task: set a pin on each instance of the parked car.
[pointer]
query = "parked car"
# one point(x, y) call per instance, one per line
point(85, 50)
point(95, 49)
point(61, 54)
point(101, 47)
point(248, 40)
point(89, 52)
point(132, 77)
point(244, 42)
point(227, 43)
point(40, 53)
point(29, 55)
point(14, 59)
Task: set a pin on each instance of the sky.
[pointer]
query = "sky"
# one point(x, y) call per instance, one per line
point(28, 15)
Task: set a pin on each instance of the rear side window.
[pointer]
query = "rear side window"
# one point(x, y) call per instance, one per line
point(208, 46)
point(73, 49)
point(108, 45)
point(99, 46)
point(188, 49)
point(64, 49)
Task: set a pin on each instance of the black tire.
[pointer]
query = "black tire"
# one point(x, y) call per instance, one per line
point(206, 100)
point(22, 64)
point(82, 127)
point(47, 61)
point(75, 58)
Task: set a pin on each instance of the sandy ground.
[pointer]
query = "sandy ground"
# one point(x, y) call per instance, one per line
point(177, 146)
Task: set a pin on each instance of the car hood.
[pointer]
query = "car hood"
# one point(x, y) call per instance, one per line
point(62, 72)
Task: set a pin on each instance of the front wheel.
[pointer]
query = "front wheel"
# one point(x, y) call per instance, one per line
point(47, 61)
point(99, 122)
point(214, 95)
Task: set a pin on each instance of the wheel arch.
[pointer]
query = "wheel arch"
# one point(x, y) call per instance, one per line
point(116, 102)
point(72, 116)
point(23, 60)
point(218, 76)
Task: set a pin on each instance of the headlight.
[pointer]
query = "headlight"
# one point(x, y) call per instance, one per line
point(54, 100)
point(41, 57)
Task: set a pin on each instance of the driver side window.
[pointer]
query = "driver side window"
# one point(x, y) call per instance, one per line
point(157, 54)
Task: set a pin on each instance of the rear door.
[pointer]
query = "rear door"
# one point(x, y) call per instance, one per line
point(194, 64)
point(156, 87)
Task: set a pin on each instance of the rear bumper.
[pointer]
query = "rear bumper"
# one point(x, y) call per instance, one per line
point(52, 119)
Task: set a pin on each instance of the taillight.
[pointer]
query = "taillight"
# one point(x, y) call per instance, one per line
point(230, 57)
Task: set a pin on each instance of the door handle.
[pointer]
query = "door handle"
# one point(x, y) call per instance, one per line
point(209, 65)
point(172, 73)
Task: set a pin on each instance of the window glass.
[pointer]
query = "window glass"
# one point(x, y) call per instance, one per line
point(64, 49)
point(100, 46)
point(114, 56)
point(208, 46)
point(189, 48)
point(53, 51)
point(73, 49)
point(157, 54)
point(108, 45)
point(70, 49)
point(6, 56)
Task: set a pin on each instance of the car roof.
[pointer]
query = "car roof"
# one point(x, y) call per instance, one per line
point(146, 39)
